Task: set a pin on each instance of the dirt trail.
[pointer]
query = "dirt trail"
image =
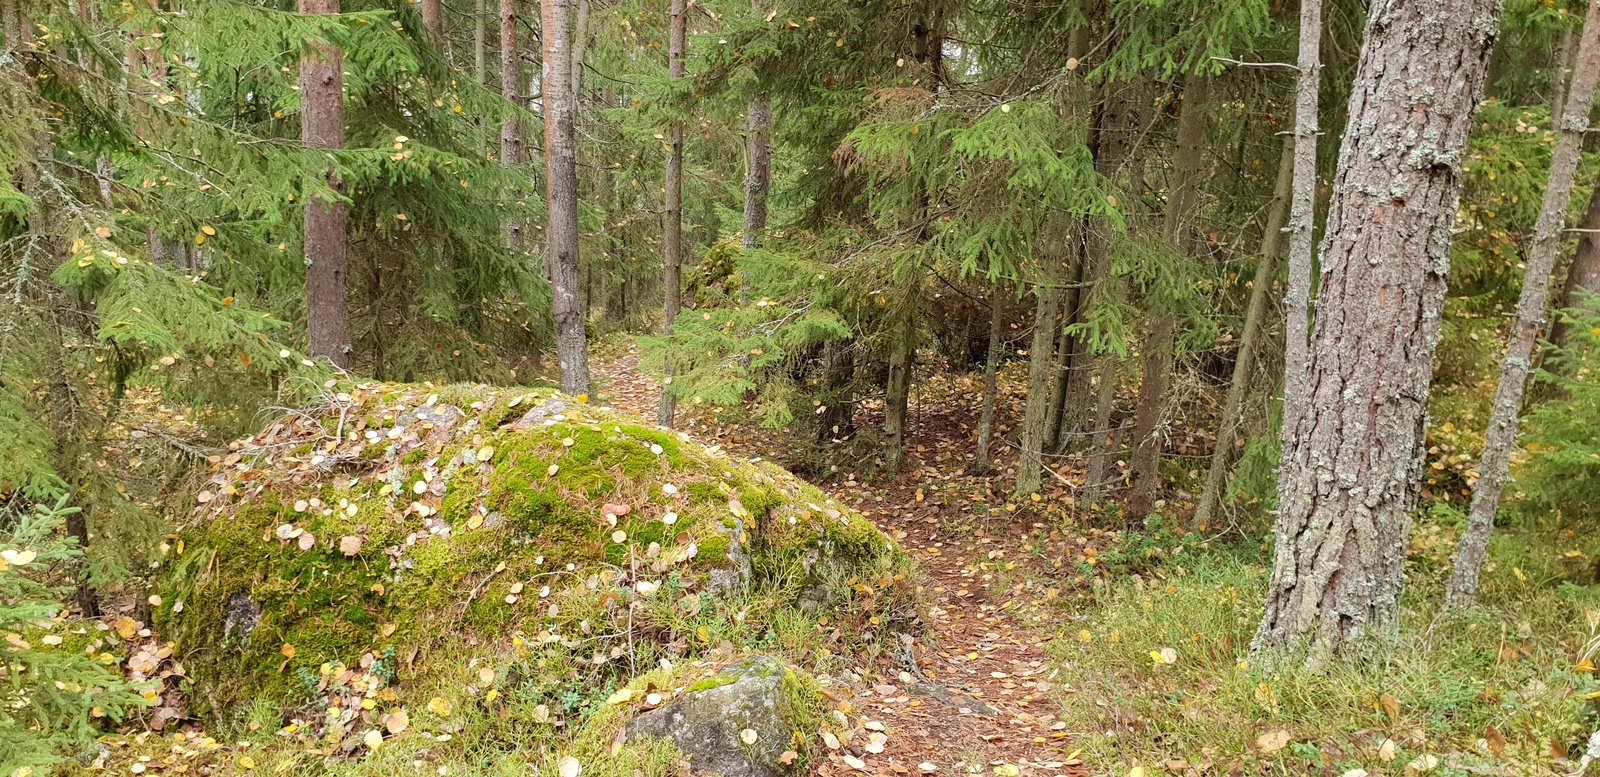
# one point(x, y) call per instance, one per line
point(978, 696)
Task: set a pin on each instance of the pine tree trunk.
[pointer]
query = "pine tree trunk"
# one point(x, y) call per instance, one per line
point(432, 17)
point(1302, 215)
point(561, 166)
point(1103, 444)
point(1041, 364)
point(511, 127)
point(1515, 366)
point(758, 180)
point(672, 232)
point(322, 126)
point(1181, 206)
point(480, 34)
point(1244, 365)
point(1558, 88)
point(836, 422)
point(1583, 275)
point(580, 43)
point(991, 370)
point(1059, 371)
point(1352, 471)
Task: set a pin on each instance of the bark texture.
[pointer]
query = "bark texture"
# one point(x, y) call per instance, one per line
point(1548, 238)
point(479, 35)
point(327, 263)
point(1244, 365)
point(1351, 473)
point(1302, 215)
point(672, 230)
point(991, 372)
point(511, 128)
point(758, 179)
point(1182, 203)
point(432, 16)
point(897, 389)
point(1041, 364)
point(561, 174)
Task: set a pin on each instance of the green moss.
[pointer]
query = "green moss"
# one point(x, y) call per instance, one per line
point(714, 681)
point(375, 450)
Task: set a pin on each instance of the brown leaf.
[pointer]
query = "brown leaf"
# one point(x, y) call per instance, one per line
point(787, 759)
point(349, 544)
point(307, 541)
point(1272, 742)
point(1390, 705)
point(1496, 740)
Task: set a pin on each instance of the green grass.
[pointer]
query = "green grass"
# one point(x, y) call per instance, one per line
point(1509, 665)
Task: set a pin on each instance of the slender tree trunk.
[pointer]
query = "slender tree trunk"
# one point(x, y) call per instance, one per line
point(897, 391)
point(1558, 89)
point(432, 16)
point(1181, 206)
point(1041, 364)
point(1548, 239)
point(561, 164)
point(1244, 366)
point(511, 127)
point(672, 232)
point(1345, 500)
point(1302, 217)
point(991, 370)
point(580, 44)
point(1583, 275)
point(1063, 362)
point(758, 179)
point(322, 126)
point(1103, 444)
point(836, 422)
point(480, 34)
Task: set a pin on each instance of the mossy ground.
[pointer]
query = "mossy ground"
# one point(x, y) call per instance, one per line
point(462, 555)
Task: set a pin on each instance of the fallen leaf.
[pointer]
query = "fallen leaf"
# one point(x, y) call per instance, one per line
point(1496, 740)
point(1272, 742)
point(373, 738)
point(855, 763)
point(349, 544)
point(927, 767)
point(440, 706)
point(396, 721)
point(876, 742)
point(1007, 770)
point(1423, 763)
point(830, 740)
point(568, 766)
point(307, 541)
point(287, 650)
point(787, 759)
point(1387, 751)
point(748, 736)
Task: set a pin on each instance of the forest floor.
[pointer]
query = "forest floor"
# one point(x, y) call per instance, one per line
point(974, 692)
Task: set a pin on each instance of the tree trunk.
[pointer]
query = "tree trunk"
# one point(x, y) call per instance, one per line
point(897, 392)
point(580, 44)
point(836, 422)
point(672, 230)
point(1041, 364)
point(1302, 218)
point(1583, 275)
point(511, 128)
point(1558, 89)
point(322, 126)
point(432, 17)
point(480, 33)
point(1548, 239)
point(991, 370)
point(1244, 365)
point(1181, 205)
point(1103, 444)
point(1352, 470)
point(1063, 362)
point(758, 180)
point(561, 173)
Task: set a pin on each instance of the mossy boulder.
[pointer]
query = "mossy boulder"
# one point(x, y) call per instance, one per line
point(389, 520)
point(752, 719)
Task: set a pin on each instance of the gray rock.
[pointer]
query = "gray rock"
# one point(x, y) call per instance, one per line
point(758, 693)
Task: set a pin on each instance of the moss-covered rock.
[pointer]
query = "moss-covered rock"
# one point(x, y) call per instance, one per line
point(398, 522)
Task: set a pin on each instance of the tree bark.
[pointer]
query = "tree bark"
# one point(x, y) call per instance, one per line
point(561, 168)
point(1302, 217)
point(1181, 205)
point(580, 44)
point(432, 17)
point(1244, 365)
point(480, 33)
point(1558, 97)
point(672, 230)
point(758, 179)
point(1103, 443)
point(1548, 239)
point(327, 264)
point(1583, 275)
point(897, 391)
point(1041, 363)
point(837, 419)
point(1352, 470)
point(511, 127)
point(991, 371)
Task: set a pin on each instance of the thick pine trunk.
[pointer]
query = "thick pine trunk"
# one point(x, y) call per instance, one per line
point(561, 168)
point(1244, 365)
point(991, 370)
point(1351, 473)
point(672, 230)
point(327, 265)
point(511, 128)
point(1548, 239)
point(1182, 202)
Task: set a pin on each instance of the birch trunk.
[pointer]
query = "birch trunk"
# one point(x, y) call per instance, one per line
point(991, 372)
point(327, 263)
point(1548, 238)
point(561, 174)
point(511, 128)
point(672, 230)
point(1351, 473)
point(1226, 452)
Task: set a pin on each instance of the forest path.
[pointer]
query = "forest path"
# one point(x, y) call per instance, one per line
point(983, 701)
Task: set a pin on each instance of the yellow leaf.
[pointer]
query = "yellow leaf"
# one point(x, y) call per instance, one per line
point(246, 762)
point(372, 739)
point(568, 766)
point(440, 706)
point(209, 230)
point(1007, 770)
point(287, 650)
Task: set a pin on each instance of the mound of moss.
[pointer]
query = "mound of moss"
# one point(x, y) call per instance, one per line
point(394, 537)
